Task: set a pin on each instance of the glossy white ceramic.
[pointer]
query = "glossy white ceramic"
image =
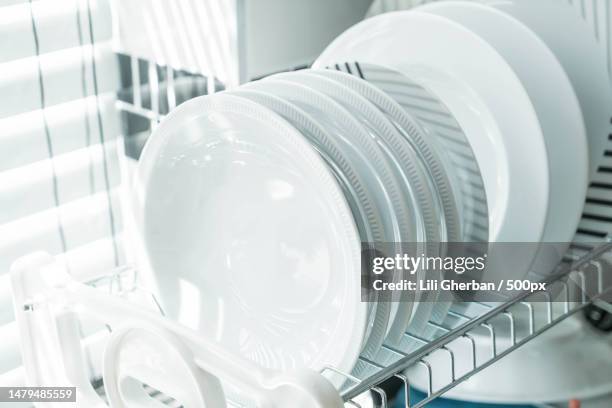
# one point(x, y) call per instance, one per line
point(573, 46)
point(420, 190)
point(557, 108)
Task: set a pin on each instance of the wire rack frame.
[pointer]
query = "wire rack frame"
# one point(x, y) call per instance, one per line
point(586, 270)
point(151, 96)
point(149, 91)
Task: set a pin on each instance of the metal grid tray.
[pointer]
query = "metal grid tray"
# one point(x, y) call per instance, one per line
point(585, 273)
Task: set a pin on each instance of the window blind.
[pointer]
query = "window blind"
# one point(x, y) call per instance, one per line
point(59, 145)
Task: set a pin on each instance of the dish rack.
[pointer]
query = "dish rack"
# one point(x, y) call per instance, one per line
point(154, 90)
point(584, 270)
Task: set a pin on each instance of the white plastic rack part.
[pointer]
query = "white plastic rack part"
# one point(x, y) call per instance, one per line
point(141, 347)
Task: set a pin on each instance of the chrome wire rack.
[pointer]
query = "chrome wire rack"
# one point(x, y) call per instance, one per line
point(584, 276)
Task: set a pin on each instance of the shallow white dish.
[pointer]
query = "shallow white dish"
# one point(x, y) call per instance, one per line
point(249, 237)
point(486, 97)
point(557, 107)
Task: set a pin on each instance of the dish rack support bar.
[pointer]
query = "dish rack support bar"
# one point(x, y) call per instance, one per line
point(418, 358)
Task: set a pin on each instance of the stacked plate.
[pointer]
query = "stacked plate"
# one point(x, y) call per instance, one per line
point(254, 204)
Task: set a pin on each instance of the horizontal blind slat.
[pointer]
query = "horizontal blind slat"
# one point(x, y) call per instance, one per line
point(29, 189)
point(6, 3)
point(22, 137)
point(93, 259)
point(56, 25)
point(62, 78)
point(83, 220)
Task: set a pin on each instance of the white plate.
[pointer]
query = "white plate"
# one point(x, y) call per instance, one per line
point(485, 96)
point(351, 138)
point(249, 236)
point(342, 167)
point(582, 58)
point(573, 45)
point(557, 107)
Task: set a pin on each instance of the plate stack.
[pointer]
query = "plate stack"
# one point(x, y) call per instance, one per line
point(527, 81)
point(256, 204)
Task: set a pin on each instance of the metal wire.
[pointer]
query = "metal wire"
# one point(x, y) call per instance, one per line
point(510, 319)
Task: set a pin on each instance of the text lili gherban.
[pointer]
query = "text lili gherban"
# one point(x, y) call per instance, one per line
point(467, 271)
point(395, 267)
